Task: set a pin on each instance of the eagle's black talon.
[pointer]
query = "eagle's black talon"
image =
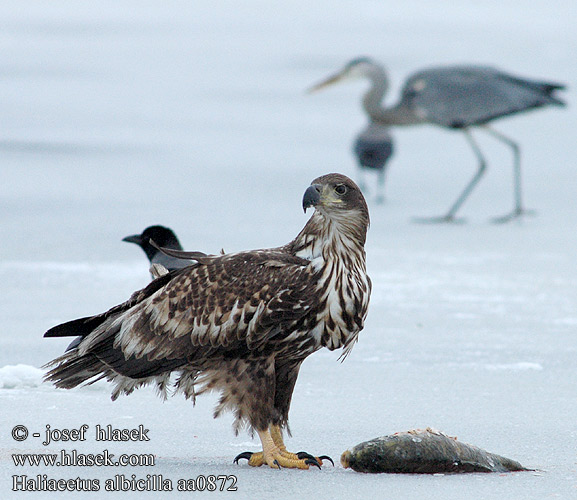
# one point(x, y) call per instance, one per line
point(277, 464)
point(326, 457)
point(244, 454)
point(312, 461)
point(303, 454)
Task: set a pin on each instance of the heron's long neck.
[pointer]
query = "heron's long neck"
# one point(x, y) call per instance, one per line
point(372, 99)
point(373, 105)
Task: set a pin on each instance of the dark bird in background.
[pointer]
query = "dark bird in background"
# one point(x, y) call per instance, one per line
point(453, 97)
point(240, 323)
point(159, 261)
point(163, 237)
point(373, 147)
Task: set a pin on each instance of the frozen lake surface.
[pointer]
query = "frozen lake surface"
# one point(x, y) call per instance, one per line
point(119, 115)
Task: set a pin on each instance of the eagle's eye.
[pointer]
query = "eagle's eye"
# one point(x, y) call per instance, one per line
point(341, 189)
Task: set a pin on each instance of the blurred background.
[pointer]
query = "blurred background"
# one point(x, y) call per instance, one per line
point(118, 115)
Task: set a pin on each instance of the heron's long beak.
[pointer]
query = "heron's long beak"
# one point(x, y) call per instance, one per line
point(326, 83)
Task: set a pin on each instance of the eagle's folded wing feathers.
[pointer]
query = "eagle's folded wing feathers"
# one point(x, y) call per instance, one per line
point(216, 306)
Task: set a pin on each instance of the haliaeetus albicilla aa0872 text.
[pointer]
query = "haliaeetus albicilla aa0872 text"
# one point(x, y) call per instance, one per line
point(240, 323)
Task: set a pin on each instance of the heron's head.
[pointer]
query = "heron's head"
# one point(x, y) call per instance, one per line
point(358, 68)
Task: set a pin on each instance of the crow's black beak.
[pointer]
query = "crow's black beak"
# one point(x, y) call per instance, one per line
point(135, 238)
point(312, 196)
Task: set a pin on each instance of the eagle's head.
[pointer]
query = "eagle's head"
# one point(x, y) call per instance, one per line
point(335, 195)
point(336, 198)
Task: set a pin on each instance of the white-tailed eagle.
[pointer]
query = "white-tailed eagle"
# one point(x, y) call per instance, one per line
point(240, 323)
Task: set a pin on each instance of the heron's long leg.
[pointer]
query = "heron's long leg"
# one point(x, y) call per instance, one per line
point(518, 210)
point(516, 163)
point(473, 182)
point(380, 195)
point(362, 180)
point(450, 216)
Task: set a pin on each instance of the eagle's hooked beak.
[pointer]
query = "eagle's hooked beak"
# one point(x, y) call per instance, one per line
point(312, 196)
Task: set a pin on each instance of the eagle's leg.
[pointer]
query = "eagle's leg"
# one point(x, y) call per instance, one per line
point(276, 434)
point(286, 373)
point(276, 456)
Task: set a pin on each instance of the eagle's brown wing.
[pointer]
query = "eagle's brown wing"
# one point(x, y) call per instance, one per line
point(235, 302)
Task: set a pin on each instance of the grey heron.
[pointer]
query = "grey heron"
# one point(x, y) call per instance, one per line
point(452, 97)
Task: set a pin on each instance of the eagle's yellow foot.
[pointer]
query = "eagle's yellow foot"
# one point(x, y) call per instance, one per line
point(277, 460)
point(275, 454)
point(276, 434)
point(254, 459)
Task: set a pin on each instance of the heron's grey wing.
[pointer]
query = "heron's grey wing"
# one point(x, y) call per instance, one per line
point(461, 96)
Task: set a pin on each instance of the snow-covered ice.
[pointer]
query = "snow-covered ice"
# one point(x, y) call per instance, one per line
point(19, 376)
point(119, 115)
